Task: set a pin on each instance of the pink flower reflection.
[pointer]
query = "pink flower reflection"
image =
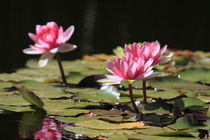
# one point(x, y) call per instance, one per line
point(49, 131)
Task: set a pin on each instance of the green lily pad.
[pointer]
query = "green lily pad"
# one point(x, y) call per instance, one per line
point(75, 119)
point(183, 123)
point(174, 83)
point(119, 52)
point(94, 95)
point(17, 108)
point(190, 103)
point(117, 137)
point(92, 133)
point(158, 107)
point(4, 85)
point(162, 94)
point(102, 125)
point(148, 137)
point(65, 112)
point(176, 134)
point(16, 100)
point(196, 75)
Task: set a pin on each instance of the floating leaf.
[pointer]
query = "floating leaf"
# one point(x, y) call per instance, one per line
point(16, 100)
point(174, 83)
point(119, 52)
point(176, 134)
point(17, 108)
point(196, 75)
point(110, 91)
point(101, 125)
point(65, 112)
point(183, 123)
point(190, 103)
point(92, 133)
point(75, 119)
point(117, 137)
point(4, 85)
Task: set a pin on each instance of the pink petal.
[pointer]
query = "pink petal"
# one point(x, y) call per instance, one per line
point(38, 48)
point(52, 25)
point(156, 49)
point(45, 58)
point(155, 74)
point(33, 37)
point(110, 80)
point(109, 64)
point(144, 76)
point(146, 52)
point(67, 47)
point(68, 33)
point(148, 64)
point(131, 71)
point(165, 58)
point(60, 36)
point(54, 50)
point(163, 50)
point(32, 51)
point(123, 67)
point(38, 29)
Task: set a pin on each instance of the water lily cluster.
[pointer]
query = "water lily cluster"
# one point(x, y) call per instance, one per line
point(137, 64)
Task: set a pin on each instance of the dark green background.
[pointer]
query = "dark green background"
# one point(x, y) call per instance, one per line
point(101, 25)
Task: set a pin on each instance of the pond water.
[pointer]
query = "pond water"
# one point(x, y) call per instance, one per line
point(17, 126)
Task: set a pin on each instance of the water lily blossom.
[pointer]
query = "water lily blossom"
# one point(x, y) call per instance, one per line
point(50, 39)
point(129, 69)
point(148, 50)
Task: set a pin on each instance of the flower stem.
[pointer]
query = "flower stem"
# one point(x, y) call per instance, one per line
point(132, 98)
point(144, 91)
point(61, 68)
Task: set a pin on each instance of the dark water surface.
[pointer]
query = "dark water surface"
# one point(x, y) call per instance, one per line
point(102, 25)
point(20, 126)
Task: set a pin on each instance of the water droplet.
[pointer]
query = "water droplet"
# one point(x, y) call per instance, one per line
point(78, 136)
point(152, 100)
point(173, 63)
point(1, 111)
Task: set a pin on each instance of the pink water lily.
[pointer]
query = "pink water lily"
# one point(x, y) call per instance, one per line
point(50, 39)
point(129, 68)
point(148, 50)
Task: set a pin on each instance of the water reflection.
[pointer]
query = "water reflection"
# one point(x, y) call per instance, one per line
point(29, 124)
point(49, 131)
